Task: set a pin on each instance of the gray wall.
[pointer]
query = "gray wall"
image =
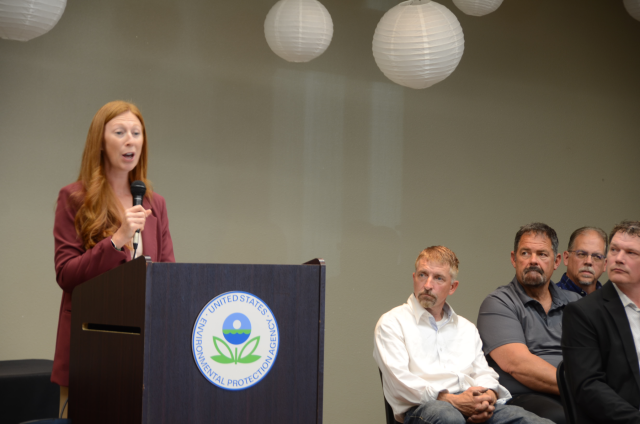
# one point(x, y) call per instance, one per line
point(266, 161)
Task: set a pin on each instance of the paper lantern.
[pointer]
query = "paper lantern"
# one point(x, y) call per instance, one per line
point(298, 30)
point(633, 7)
point(477, 7)
point(23, 20)
point(418, 43)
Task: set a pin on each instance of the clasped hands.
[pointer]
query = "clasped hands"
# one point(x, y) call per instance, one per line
point(134, 220)
point(475, 403)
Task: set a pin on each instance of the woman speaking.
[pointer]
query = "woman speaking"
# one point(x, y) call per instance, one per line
point(95, 221)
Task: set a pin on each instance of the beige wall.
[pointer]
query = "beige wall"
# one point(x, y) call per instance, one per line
point(266, 161)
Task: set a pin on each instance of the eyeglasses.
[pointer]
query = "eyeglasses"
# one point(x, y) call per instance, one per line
point(581, 254)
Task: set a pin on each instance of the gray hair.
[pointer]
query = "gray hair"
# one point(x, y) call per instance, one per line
point(537, 228)
point(583, 230)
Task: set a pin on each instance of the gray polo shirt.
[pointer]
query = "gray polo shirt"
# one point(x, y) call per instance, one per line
point(509, 315)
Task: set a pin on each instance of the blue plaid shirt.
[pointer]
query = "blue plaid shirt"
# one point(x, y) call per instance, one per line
point(566, 284)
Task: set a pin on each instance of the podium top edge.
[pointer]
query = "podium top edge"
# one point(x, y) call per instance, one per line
point(316, 261)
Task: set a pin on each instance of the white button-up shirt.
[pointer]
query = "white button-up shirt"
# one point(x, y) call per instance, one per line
point(420, 358)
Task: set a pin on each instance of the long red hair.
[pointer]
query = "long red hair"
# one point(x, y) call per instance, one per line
point(100, 214)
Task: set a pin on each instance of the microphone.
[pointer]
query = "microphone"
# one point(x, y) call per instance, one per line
point(138, 189)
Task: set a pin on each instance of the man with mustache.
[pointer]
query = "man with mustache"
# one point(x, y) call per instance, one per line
point(601, 339)
point(431, 360)
point(585, 259)
point(521, 324)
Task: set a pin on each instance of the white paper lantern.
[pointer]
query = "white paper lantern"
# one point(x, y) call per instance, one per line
point(418, 43)
point(477, 7)
point(633, 7)
point(23, 20)
point(298, 30)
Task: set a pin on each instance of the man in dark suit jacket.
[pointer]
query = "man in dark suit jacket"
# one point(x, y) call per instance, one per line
point(601, 338)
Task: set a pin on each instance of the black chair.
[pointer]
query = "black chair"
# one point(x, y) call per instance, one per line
point(565, 395)
point(388, 412)
point(26, 392)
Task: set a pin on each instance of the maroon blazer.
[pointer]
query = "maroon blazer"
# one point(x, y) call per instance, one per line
point(75, 265)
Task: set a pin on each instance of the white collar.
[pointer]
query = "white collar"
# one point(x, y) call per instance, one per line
point(417, 310)
point(625, 299)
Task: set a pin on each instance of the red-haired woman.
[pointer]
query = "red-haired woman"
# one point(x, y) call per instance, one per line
point(95, 223)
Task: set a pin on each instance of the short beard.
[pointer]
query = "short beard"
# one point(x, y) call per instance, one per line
point(427, 303)
point(531, 279)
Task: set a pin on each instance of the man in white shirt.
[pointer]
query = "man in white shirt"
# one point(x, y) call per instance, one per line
point(432, 364)
point(601, 338)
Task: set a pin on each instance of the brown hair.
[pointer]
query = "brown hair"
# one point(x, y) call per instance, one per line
point(631, 228)
point(100, 214)
point(441, 255)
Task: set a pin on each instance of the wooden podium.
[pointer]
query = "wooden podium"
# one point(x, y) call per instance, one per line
point(131, 351)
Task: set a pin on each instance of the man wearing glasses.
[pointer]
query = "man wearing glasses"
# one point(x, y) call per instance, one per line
point(585, 259)
point(521, 324)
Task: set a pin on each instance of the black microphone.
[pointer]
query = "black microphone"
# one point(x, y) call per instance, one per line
point(138, 189)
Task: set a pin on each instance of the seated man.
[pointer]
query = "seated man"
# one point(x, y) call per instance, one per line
point(431, 359)
point(601, 338)
point(521, 324)
point(585, 260)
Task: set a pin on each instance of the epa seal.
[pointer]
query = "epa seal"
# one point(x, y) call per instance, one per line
point(235, 340)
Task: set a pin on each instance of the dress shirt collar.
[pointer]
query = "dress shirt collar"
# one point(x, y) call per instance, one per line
point(626, 302)
point(566, 284)
point(558, 299)
point(417, 310)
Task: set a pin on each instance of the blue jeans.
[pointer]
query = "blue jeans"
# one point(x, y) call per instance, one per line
point(439, 412)
point(546, 406)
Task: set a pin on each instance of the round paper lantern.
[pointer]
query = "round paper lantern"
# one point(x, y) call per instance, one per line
point(418, 43)
point(23, 20)
point(633, 7)
point(298, 30)
point(477, 7)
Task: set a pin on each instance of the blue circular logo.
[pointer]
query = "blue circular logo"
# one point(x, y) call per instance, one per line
point(235, 340)
point(236, 329)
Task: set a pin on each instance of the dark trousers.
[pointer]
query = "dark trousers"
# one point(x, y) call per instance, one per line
point(545, 406)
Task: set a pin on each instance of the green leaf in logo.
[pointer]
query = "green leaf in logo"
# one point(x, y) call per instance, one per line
point(222, 358)
point(249, 359)
point(250, 356)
